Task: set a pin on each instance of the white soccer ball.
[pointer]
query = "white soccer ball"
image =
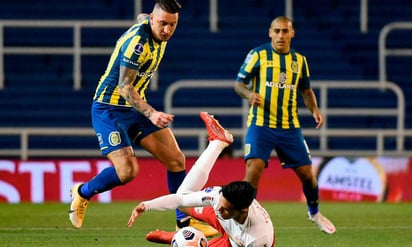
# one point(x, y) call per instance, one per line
point(189, 237)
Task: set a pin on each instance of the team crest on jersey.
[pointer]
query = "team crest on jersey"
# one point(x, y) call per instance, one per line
point(114, 138)
point(138, 49)
point(294, 66)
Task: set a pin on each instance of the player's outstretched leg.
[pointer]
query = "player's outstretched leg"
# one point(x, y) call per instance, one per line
point(78, 207)
point(323, 223)
point(215, 130)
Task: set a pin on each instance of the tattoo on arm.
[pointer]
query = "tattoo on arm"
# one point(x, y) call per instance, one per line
point(129, 93)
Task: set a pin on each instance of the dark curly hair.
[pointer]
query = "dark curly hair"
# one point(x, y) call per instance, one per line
point(170, 6)
point(239, 193)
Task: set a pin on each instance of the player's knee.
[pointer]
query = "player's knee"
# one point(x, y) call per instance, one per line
point(177, 163)
point(308, 180)
point(127, 173)
point(126, 177)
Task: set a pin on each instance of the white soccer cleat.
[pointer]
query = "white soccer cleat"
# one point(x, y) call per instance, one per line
point(323, 223)
point(215, 130)
point(78, 207)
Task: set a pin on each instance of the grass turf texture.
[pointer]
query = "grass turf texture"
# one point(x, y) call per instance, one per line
point(358, 224)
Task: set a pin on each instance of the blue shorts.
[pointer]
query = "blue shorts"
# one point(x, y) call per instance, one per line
point(289, 144)
point(117, 127)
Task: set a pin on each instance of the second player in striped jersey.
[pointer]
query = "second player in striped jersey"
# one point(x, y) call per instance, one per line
point(277, 74)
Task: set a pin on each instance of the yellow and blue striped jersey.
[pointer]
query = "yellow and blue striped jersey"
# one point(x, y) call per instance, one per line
point(135, 49)
point(277, 78)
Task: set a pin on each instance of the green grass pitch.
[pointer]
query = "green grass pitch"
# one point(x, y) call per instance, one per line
point(358, 224)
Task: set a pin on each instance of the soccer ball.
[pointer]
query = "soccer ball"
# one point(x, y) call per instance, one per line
point(189, 237)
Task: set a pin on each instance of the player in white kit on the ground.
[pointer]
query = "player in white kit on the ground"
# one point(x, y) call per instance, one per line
point(231, 209)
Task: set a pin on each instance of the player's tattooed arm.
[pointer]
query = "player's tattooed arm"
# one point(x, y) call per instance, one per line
point(129, 93)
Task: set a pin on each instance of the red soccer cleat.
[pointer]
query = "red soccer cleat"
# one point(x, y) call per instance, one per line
point(160, 236)
point(215, 130)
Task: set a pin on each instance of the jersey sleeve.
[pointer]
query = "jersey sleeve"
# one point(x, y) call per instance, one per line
point(134, 46)
point(131, 51)
point(249, 67)
point(202, 198)
point(304, 82)
point(173, 201)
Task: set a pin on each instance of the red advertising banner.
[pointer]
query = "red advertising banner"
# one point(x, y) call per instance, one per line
point(340, 179)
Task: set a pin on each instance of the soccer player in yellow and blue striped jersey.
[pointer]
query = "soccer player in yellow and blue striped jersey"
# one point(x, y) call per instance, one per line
point(122, 117)
point(276, 74)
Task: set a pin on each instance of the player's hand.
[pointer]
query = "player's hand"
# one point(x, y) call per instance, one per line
point(161, 119)
point(255, 99)
point(137, 211)
point(318, 119)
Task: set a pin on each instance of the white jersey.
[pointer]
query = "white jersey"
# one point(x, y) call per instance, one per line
point(256, 231)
